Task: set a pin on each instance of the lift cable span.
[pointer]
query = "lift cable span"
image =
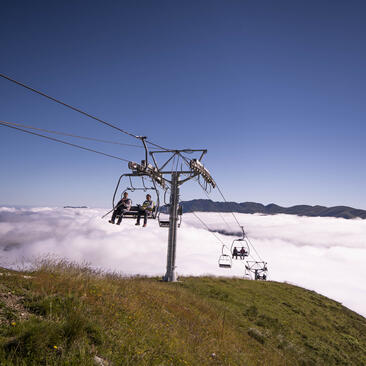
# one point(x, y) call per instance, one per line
point(69, 134)
point(253, 247)
point(244, 240)
point(230, 249)
point(237, 221)
point(225, 261)
point(223, 197)
point(77, 110)
point(232, 213)
point(62, 141)
point(219, 213)
point(208, 229)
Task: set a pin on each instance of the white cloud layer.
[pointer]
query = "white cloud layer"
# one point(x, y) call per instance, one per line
point(327, 255)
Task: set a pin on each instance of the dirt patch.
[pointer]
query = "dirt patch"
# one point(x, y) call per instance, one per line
point(11, 307)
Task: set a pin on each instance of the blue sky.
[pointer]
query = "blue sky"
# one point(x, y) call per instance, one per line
point(274, 90)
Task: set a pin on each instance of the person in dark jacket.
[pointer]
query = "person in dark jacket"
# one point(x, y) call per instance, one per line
point(235, 252)
point(122, 206)
point(243, 253)
point(146, 209)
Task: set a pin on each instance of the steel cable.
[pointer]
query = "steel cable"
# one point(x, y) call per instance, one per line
point(62, 142)
point(77, 110)
point(237, 221)
point(219, 213)
point(70, 134)
point(207, 227)
point(216, 236)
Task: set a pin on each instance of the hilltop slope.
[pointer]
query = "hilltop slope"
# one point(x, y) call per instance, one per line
point(61, 314)
point(271, 209)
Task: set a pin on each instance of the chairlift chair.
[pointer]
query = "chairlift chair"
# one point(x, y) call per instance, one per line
point(242, 247)
point(166, 222)
point(134, 210)
point(225, 260)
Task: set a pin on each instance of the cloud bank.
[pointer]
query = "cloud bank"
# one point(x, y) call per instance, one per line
point(327, 255)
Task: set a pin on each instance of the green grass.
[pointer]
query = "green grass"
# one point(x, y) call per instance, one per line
point(67, 314)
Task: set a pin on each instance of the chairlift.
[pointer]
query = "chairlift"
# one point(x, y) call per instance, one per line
point(164, 220)
point(134, 210)
point(258, 269)
point(225, 260)
point(240, 247)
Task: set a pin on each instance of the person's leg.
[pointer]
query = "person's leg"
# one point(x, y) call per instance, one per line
point(117, 212)
point(138, 217)
point(145, 218)
point(120, 218)
point(113, 216)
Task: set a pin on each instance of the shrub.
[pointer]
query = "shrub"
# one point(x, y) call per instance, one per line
point(257, 335)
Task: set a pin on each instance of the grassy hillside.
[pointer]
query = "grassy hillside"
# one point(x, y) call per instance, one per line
point(67, 315)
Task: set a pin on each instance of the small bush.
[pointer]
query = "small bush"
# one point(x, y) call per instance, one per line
point(268, 322)
point(50, 305)
point(251, 312)
point(353, 343)
point(32, 337)
point(257, 335)
point(78, 326)
point(217, 294)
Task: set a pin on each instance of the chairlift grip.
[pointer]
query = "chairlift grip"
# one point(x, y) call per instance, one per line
point(143, 183)
point(242, 229)
point(143, 140)
point(131, 184)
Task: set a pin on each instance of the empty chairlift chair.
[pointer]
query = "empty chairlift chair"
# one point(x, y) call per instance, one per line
point(225, 260)
point(164, 220)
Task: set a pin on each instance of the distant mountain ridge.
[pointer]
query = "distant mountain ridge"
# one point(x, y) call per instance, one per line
point(205, 205)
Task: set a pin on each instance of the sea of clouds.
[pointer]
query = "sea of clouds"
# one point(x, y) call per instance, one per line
point(327, 255)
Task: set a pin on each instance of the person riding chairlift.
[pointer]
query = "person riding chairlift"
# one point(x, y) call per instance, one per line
point(145, 210)
point(123, 206)
point(243, 253)
point(235, 253)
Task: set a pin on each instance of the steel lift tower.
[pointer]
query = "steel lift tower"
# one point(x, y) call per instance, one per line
point(173, 179)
